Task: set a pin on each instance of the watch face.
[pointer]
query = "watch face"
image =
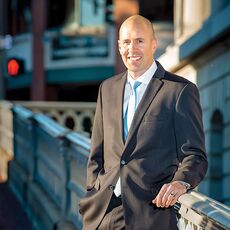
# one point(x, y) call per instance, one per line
point(187, 185)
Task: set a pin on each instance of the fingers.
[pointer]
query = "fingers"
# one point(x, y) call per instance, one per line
point(159, 197)
point(172, 199)
point(169, 194)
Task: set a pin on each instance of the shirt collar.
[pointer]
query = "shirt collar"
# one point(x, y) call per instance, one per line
point(145, 77)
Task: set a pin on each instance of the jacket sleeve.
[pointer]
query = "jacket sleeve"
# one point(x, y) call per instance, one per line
point(95, 161)
point(190, 137)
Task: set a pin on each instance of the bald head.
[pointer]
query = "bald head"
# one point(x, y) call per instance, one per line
point(137, 44)
point(140, 21)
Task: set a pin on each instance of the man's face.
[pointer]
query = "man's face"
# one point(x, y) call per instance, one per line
point(137, 47)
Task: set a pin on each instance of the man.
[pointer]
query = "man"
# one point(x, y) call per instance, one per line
point(147, 144)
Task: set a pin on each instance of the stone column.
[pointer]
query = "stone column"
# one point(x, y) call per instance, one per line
point(189, 17)
point(38, 28)
point(178, 18)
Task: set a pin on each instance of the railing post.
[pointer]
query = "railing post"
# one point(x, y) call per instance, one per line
point(63, 145)
point(22, 167)
point(78, 152)
point(51, 174)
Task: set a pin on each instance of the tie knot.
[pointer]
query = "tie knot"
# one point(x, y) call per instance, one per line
point(135, 85)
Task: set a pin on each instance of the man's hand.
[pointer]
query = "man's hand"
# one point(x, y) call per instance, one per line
point(169, 194)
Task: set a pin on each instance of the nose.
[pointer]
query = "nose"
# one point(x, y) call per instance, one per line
point(132, 45)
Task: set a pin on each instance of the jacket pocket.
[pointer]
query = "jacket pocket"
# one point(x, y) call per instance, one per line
point(155, 117)
point(85, 201)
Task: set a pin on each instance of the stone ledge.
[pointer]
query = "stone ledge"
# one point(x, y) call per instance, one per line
point(213, 213)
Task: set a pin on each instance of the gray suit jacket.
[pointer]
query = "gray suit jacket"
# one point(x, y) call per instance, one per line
point(165, 143)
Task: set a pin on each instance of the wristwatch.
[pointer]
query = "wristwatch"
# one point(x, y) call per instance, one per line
point(186, 185)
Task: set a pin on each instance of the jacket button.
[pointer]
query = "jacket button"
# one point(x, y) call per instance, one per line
point(111, 187)
point(123, 162)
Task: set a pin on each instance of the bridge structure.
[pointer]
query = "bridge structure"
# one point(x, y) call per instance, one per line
point(44, 164)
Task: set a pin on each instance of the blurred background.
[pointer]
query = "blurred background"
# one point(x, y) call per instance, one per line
point(53, 56)
point(66, 48)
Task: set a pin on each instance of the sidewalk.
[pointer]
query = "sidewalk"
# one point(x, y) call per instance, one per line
point(12, 216)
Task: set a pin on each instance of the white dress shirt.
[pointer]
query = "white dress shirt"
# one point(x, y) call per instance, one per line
point(144, 79)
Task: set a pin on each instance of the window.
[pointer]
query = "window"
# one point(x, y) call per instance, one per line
point(216, 152)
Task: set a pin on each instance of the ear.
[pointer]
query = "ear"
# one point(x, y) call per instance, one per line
point(119, 45)
point(154, 45)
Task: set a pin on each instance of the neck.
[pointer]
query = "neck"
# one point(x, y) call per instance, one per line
point(136, 75)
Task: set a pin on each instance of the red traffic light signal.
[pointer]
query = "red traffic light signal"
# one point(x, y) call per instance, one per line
point(15, 67)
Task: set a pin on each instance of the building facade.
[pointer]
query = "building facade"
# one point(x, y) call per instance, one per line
point(201, 53)
point(77, 49)
point(69, 47)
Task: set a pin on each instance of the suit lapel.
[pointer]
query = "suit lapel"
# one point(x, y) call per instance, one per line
point(120, 88)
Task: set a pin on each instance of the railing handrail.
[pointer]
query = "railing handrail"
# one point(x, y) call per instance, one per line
point(79, 139)
point(23, 112)
point(50, 126)
point(207, 207)
point(55, 104)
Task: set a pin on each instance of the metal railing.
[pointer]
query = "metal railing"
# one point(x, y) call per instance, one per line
point(77, 116)
point(48, 176)
point(47, 173)
point(197, 211)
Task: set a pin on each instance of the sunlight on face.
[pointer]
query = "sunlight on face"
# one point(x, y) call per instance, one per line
point(137, 47)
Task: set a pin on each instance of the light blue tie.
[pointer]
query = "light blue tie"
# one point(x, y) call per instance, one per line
point(131, 108)
point(129, 113)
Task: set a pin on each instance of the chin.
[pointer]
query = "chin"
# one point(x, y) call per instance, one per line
point(132, 67)
point(135, 70)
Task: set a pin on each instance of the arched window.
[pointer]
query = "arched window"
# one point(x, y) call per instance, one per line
point(216, 155)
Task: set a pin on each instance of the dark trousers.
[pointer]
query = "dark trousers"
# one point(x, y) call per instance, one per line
point(113, 219)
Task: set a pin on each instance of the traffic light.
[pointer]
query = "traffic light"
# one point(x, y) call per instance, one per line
point(15, 67)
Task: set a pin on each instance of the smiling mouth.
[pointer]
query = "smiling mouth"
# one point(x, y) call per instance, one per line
point(134, 58)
